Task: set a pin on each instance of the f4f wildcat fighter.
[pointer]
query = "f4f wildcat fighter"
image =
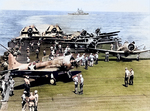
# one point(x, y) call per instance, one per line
point(125, 50)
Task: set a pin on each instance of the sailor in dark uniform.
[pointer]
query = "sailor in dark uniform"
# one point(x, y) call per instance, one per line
point(86, 62)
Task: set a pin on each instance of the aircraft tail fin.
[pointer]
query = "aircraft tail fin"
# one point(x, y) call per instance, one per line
point(117, 45)
point(13, 64)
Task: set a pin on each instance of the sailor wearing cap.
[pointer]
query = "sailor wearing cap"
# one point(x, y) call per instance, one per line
point(127, 72)
point(36, 99)
point(60, 48)
point(131, 77)
point(3, 89)
point(81, 84)
point(106, 56)
point(28, 60)
point(86, 62)
point(96, 58)
point(27, 85)
point(83, 60)
point(24, 100)
point(75, 79)
point(91, 59)
point(31, 102)
point(12, 83)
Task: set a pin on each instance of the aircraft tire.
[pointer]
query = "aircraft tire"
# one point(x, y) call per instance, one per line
point(52, 81)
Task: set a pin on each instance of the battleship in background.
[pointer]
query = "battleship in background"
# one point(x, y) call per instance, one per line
point(79, 12)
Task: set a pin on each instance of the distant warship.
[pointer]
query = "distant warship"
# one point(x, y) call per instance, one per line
point(79, 12)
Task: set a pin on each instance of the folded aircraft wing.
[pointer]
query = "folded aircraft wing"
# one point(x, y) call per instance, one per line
point(110, 32)
point(105, 42)
point(80, 43)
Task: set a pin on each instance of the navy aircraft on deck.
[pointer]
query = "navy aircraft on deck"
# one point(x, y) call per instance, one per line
point(29, 32)
point(55, 33)
point(125, 50)
point(83, 44)
point(52, 68)
point(48, 69)
point(106, 36)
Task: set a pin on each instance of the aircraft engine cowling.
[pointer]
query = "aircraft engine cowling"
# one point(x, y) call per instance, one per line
point(131, 47)
point(54, 30)
point(30, 31)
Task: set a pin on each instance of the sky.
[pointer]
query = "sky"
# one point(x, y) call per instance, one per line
point(72, 5)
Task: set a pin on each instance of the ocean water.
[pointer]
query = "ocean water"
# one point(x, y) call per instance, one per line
point(132, 26)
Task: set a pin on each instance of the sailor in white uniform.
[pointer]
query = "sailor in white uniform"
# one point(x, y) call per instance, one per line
point(81, 84)
point(83, 60)
point(127, 73)
point(91, 59)
point(75, 79)
point(131, 77)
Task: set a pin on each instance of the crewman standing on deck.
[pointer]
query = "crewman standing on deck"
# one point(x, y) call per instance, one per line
point(75, 79)
point(28, 60)
point(31, 102)
point(37, 53)
point(81, 84)
point(131, 77)
point(91, 57)
point(127, 72)
point(28, 51)
point(86, 62)
point(36, 99)
point(106, 56)
point(27, 85)
point(44, 52)
point(96, 58)
point(12, 83)
point(24, 101)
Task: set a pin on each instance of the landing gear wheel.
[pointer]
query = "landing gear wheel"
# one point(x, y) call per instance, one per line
point(52, 81)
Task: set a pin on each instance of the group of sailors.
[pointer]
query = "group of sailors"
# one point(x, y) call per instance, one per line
point(86, 60)
point(78, 80)
point(129, 76)
point(28, 99)
point(7, 83)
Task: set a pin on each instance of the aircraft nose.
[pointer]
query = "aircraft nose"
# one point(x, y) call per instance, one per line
point(131, 47)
